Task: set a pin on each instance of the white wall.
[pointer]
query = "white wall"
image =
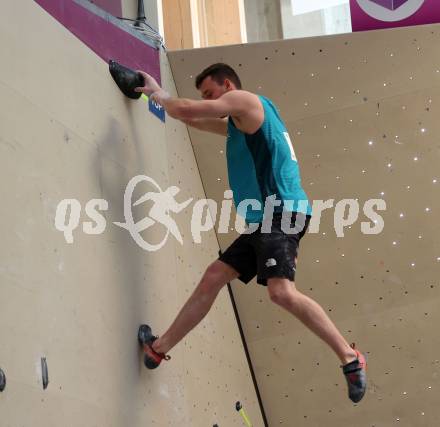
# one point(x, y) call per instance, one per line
point(300, 19)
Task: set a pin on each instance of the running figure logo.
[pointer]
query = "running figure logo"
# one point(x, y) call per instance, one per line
point(164, 203)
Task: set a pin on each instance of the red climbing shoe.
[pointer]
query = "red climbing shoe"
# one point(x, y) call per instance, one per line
point(355, 374)
point(146, 338)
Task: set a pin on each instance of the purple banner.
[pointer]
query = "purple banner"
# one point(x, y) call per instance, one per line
point(378, 14)
point(106, 39)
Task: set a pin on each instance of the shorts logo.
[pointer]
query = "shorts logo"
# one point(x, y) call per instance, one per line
point(390, 10)
point(271, 262)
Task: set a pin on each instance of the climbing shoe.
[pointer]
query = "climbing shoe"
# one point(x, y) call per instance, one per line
point(355, 374)
point(146, 338)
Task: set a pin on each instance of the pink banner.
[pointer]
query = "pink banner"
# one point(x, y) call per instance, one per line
point(107, 40)
point(377, 14)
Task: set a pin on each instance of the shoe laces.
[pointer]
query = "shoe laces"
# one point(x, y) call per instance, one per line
point(360, 364)
point(161, 355)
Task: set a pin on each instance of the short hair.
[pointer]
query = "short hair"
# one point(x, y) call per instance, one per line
point(219, 72)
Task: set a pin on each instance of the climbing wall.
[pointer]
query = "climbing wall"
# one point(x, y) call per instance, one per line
point(72, 302)
point(362, 111)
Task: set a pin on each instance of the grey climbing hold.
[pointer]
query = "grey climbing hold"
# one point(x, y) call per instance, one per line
point(44, 373)
point(2, 380)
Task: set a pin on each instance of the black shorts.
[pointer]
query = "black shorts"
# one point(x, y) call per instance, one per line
point(266, 254)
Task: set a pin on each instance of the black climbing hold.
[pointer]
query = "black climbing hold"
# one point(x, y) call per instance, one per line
point(238, 406)
point(44, 373)
point(2, 380)
point(126, 79)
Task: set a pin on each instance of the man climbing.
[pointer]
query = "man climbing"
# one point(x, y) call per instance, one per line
point(262, 167)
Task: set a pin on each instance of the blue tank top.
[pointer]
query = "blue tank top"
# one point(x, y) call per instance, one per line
point(264, 164)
